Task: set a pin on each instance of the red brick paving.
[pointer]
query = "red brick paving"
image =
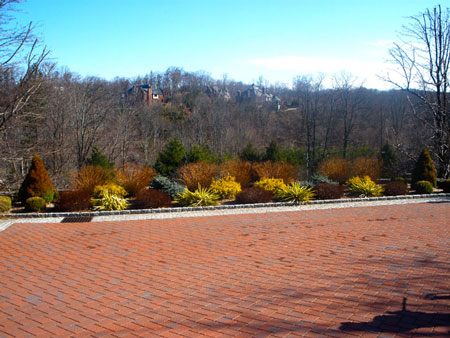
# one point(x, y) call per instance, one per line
point(322, 273)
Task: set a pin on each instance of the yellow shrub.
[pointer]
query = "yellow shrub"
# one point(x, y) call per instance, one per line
point(226, 187)
point(110, 189)
point(364, 186)
point(270, 184)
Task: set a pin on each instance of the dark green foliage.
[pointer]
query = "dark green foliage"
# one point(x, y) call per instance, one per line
point(200, 153)
point(273, 152)
point(424, 187)
point(147, 199)
point(76, 200)
point(444, 185)
point(395, 188)
point(5, 203)
point(37, 182)
point(170, 159)
point(249, 153)
point(424, 169)
point(389, 159)
point(326, 191)
point(169, 187)
point(99, 159)
point(35, 204)
point(254, 195)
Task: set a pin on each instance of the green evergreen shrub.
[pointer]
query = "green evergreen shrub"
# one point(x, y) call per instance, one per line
point(5, 203)
point(399, 179)
point(395, 188)
point(37, 182)
point(424, 187)
point(35, 204)
point(254, 195)
point(444, 185)
point(424, 169)
point(200, 153)
point(169, 187)
point(273, 152)
point(99, 159)
point(250, 154)
point(151, 198)
point(168, 161)
point(389, 160)
point(77, 200)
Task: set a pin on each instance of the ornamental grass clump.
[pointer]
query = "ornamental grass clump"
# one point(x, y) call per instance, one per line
point(109, 202)
point(226, 187)
point(133, 178)
point(364, 187)
point(197, 198)
point(242, 171)
point(282, 170)
point(193, 174)
point(270, 184)
point(111, 189)
point(87, 178)
point(295, 192)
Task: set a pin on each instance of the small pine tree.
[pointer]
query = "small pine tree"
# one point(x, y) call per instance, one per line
point(199, 153)
point(99, 159)
point(249, 153)
point(424, 169)
point(37, 182)
point(171, 158)
point(389, 159)
point(273, 152)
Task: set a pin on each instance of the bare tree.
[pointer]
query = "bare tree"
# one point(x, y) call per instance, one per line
point(423, 60)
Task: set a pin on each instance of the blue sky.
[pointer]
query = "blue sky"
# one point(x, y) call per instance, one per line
point(243, 39)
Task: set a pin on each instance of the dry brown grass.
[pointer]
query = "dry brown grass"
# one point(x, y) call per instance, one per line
point(363, 166)
point(197, 173)
point(134, 177)
point(87, 178)
point(242, 171)
point(282, 170)
point(336, 169)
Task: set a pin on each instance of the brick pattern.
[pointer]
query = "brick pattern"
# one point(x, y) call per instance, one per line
point(322, 273)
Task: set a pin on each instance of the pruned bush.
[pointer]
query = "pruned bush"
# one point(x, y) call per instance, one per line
point(295, 192)
point(193, 174)
point(151, 198)
point(197, 198)
point(35, 204)
point(226, 187)
point(399, 179)
point(395, 188)
point(424, 169)
point(328, 191)
point(169, 187)
point(108, 202)
point(111, 189)
point(363, 166)
point(242, 171)
point(5, 203)
point(285, 171)
point(89, 177)
point(270, 184)
point(364, 186)
point(336, 169)
point(76, 200)
point(254, 195)
point(134, 177)
point(37, 182)
point(444, 185)
point(424, 187)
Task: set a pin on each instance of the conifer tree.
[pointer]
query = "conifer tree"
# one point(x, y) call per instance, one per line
point(424, 169)
point(37, 182)
point(171, 158)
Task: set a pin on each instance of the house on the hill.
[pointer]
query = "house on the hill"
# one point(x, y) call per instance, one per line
point(258, 95)
point(146, 93)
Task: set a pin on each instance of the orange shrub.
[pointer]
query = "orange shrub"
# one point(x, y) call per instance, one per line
point(134, 177)
point(89, 177)
point(336, 169)
point(197, 173)
point(363, 166)
point(240, 170)
point(282, 170)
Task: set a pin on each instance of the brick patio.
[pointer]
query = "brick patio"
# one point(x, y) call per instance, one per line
point(337, 273)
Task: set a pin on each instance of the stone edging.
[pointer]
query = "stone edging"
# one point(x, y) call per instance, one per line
point(217, 207)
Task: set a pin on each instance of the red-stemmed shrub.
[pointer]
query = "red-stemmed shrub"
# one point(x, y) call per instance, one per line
point(76, 200)
point(327, 191)
point(254, 195)
point(395, 188)
point(151, 198)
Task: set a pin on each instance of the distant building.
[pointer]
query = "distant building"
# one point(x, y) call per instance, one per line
point(258, 95)
point(145, 93)
point(215, 91)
